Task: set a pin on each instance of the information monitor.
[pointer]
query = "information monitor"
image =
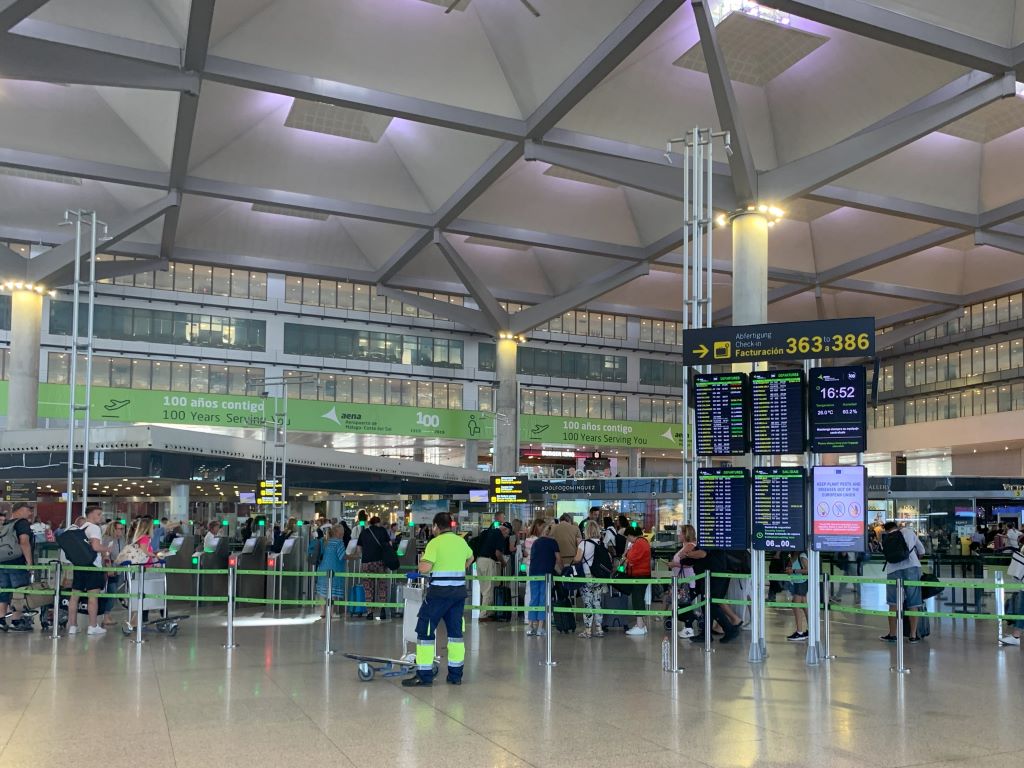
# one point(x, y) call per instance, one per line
point(779, 500)
point(723, 508)
point(837, 409)
point(777, 412)
point(720, 414)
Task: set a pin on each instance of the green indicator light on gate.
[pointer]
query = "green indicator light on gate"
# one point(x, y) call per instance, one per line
point(262, 523)
point(122, 521)
point(622, 569)
point(362, 523)
point(195, 559)
point(412, 523)
point(522, 567)
point(224, 523)
point(300, 523)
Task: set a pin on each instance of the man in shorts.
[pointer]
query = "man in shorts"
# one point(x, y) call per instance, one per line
point(908, 569)
point(90, 582)
point(12, 580)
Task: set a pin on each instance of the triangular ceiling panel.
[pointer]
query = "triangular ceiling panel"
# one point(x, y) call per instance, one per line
point(378, 242)
point(70, 121)
point(438, 160)
point(236, 228)
point(524, 197)
point(406, 47)
point(270, 155)
point(537, 54)
point(150, 114)
point(847, 234)
point(133, 19)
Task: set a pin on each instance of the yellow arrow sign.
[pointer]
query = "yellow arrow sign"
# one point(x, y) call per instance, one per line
point(701, 351)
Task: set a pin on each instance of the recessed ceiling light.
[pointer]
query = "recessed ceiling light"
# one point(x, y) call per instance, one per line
point(295, 213)
point(332, 120)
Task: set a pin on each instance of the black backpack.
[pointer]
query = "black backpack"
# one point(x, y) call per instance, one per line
point(75, 546)
point(894, 547)
point(620, 543)
point(601, 564)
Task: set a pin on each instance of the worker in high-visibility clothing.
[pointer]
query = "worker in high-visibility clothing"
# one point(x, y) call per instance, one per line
point(444, 563)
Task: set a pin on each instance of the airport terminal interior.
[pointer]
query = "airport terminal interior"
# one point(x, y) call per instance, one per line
point(691, 331)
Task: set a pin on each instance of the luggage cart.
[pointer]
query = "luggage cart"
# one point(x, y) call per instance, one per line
point(154, 587)
point(368, 666)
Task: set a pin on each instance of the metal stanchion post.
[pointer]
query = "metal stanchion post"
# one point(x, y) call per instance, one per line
point(232, 576)
point(827, 631)
point(674, 624)
point(141, 593)
point(55, 617)
point(900, 667)
point(548, 662)
point(328, 651)
point(707, 612)
point(1000, 607)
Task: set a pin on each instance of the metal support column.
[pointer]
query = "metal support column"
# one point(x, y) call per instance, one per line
point(79, 346)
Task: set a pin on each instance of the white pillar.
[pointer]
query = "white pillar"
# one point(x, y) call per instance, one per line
point(634, 463)
point(506, 422)
point(749, 269)
point(178, 511)
point(472, 454)
point(23, 389)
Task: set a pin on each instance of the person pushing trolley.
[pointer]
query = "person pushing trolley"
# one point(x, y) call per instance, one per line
point(444, 563)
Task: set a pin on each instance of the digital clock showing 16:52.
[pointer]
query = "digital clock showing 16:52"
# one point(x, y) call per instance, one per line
point(837, 409)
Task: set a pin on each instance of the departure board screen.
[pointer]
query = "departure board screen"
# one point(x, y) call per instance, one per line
point(723, 508)
point(777, 412)
point(837, 409)
point(720, 414)
point(779, 501)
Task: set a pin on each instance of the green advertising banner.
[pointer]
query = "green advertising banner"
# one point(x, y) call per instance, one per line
point(611, 432)
point(240, 412)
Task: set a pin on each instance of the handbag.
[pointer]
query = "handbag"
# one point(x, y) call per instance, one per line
point(133, 554)
point(388, 555)
point(929, 592)
point(1016, 569)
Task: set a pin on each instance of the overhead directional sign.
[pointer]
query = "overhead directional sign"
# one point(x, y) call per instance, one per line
point(842, 337)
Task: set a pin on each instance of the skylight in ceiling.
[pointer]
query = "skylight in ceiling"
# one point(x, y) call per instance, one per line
point(756, 50)
point(723, 8)
point(56, 178)
point(584, 178)
point(336, 121)
point(296, 213)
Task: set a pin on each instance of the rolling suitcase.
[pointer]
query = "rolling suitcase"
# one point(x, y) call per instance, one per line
point(613, 601)
point(502, 598)
point(564, 622)
point(356, 594)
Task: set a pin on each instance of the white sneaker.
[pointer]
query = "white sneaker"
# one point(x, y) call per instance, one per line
point(1010, 640)
point(96, 631)
point(686, 632)
point(637, 631)
point(72, 629)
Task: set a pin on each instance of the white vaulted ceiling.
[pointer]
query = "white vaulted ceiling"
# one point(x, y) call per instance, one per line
point(533, 144)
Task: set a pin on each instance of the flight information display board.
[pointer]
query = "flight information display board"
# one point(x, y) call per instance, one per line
point(837, 409)
point(839, 499)
point(509, 489)
point(780, 509)
point(777, 412)
point(723, 508)
point(720, 414)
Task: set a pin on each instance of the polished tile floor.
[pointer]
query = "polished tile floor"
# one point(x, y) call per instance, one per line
point(277, 698)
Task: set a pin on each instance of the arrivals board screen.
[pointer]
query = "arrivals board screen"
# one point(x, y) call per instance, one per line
point(838, 501)
point(777, 412)
point(720, 414)
point(723, 508)
point(837, 409)
point(779, 502)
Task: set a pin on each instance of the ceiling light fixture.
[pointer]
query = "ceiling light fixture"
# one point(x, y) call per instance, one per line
point(21, 285)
